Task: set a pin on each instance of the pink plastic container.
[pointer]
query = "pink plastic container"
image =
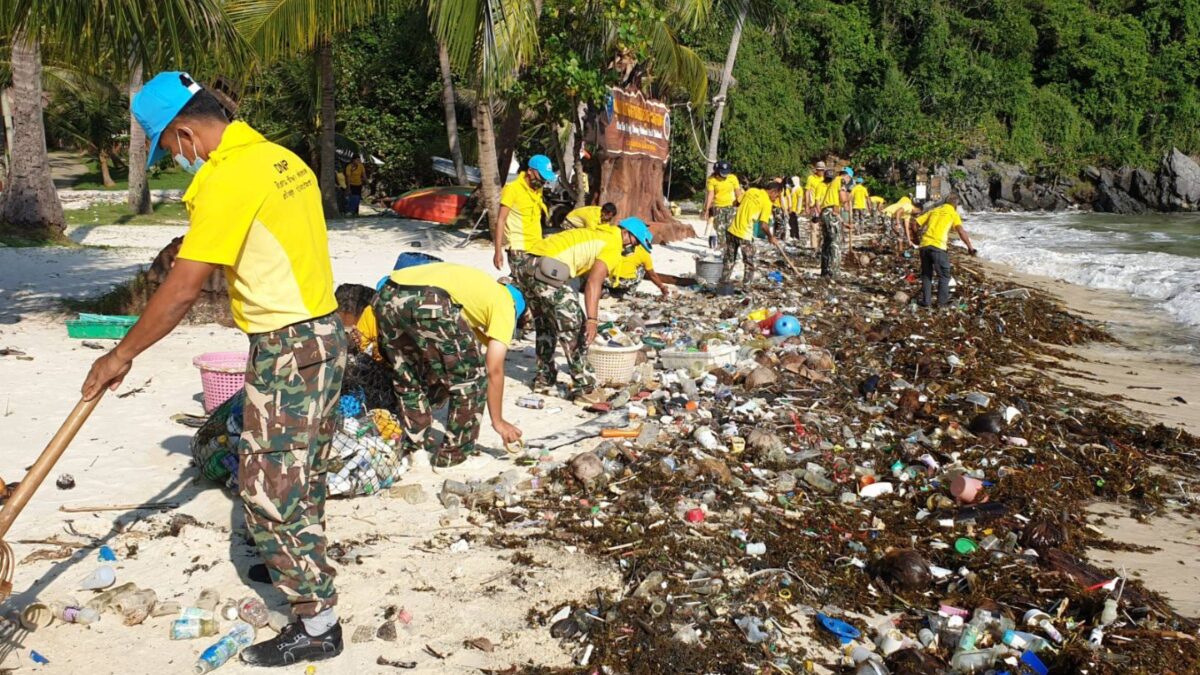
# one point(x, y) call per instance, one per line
point(222, 374)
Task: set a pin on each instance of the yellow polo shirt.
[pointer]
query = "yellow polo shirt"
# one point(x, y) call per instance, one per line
point(904, 207)
point(755, 207)
point(816, 184)
point(486, 305)
point(585, 216)
point(255, 209)
point(355, 175)
point(628, 267)
point(523, 226)
point(937, 224)
point(876, 201)
point(368, 333)
point(859, 196)
point(580, 249)
point(830, 194)
point(724, 190)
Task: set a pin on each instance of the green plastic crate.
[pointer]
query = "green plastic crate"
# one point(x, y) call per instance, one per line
point(99, 326)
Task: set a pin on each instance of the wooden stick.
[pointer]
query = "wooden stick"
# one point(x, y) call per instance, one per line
point(46, 461)
point(786, 259)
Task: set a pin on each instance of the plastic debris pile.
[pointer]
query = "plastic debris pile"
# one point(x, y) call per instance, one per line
point(898, 487)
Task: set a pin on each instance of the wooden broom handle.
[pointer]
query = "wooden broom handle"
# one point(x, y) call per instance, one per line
point(46, 461)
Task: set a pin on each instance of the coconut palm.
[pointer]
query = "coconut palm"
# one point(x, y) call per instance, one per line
point(92, 116)
point(133, 32)
point(278, 28)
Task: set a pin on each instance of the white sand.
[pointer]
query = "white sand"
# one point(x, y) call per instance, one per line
point(131, 452)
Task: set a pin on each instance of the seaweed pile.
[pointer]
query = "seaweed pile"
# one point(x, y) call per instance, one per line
point(896, 490)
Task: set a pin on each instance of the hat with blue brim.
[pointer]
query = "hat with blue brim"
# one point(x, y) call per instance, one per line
point(637, 227)
point(157, 104)
point(545, 169)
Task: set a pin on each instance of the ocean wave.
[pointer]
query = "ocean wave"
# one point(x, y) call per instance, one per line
point(1096, 256)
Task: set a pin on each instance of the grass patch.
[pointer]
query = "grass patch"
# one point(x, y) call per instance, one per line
point(172, 178)
point(116, 301)
point(15, 237)
point(164, 213)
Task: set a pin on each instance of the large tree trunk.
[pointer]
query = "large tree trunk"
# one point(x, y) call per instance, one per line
point(105, 175)
point(327, 177)
point(30, 200)
point(714, 137)
point(635, 185)
point(139, 186)
point(490, 177)
point(460, 167)
point(507, 137)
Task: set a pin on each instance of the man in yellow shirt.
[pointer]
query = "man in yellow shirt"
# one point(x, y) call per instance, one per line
point(755, 209)
point(814, 190)
point(630, 272)
point(519, 226)
point(859, 201)
point(356, 176)
point(432, 320)
point(779, 210)
point(899, 216)
point(831, 225)
point(255, 210)
point(591, 216)
point(722, 192)
point(936, 225)
point(557, 317)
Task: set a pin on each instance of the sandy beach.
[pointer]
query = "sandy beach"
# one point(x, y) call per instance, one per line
point(409, 555)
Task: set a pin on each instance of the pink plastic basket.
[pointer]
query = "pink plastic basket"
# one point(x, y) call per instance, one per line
point(222, 374)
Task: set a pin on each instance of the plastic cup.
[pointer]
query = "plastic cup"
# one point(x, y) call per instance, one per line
point(966, 489)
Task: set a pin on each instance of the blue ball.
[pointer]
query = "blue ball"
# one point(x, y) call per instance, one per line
point(787, 326)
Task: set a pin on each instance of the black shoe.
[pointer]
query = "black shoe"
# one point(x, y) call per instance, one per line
point(294, 645)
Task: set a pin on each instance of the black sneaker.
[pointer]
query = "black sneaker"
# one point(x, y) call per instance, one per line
point(294, 645)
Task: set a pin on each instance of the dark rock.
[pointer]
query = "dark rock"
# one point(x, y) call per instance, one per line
point(1179, 182)
point(1144, 188)
point(1111, 198)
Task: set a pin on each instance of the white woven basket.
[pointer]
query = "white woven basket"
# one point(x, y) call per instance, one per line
point(613, 365)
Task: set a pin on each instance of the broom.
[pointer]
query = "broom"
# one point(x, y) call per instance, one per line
point(33, 480)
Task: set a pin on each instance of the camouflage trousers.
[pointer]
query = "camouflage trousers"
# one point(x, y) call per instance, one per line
point(831, 242)
point(435, 357)
point(722, 217)
point(559, 321)
point(729, 257)
point(521, 264)
point(293, 381)
point(779, 223)
point(619, 287)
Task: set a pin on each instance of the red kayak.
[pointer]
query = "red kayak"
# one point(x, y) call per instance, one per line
point(436, 204)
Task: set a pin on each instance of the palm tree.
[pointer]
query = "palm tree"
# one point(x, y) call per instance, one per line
point(451, 110)
point(92, 116)
point(29, 202)
point(741, 9)
point(277, 28)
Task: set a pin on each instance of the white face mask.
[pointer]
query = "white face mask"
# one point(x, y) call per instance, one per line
point(190, 166)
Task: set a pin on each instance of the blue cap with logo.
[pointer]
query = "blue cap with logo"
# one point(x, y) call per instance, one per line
point(542, 165)
point(159, 101)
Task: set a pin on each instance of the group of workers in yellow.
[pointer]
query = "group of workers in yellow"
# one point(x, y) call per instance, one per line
point(833, 202)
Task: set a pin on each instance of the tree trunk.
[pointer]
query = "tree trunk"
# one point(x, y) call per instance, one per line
point(460, 167)
point(327, 177)
point(105, 176)
point(714, 137)
point(507, 137)
point(635, 185)
point(490, 178)
point(30, 200)
point(139, 185)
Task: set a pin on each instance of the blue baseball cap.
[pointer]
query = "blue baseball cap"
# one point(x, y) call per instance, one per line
point(518, 299)
point(637, 227)
point(157, 104)
point(542, 165)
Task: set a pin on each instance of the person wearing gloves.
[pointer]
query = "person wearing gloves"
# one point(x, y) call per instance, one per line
point(589, 253)
point(432, 321)
point(254, 210)
point(755, 209)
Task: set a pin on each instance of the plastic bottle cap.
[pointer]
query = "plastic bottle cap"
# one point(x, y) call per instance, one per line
point(965, 546)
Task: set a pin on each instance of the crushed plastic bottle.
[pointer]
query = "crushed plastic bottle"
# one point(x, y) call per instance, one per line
point(240, 636)
point(192, 623)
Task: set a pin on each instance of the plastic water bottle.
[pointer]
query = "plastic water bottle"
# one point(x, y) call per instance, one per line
point(253, 611)
point(193, 622)
point(818, 481)
point(71, 612)
point(240, 636)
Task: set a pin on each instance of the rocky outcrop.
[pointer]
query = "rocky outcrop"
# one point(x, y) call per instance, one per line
point(1178, 182)
point(985, 185)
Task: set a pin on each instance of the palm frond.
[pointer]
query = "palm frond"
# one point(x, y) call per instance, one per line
point(491, 39)
point(677, 65)
point(277, 28)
